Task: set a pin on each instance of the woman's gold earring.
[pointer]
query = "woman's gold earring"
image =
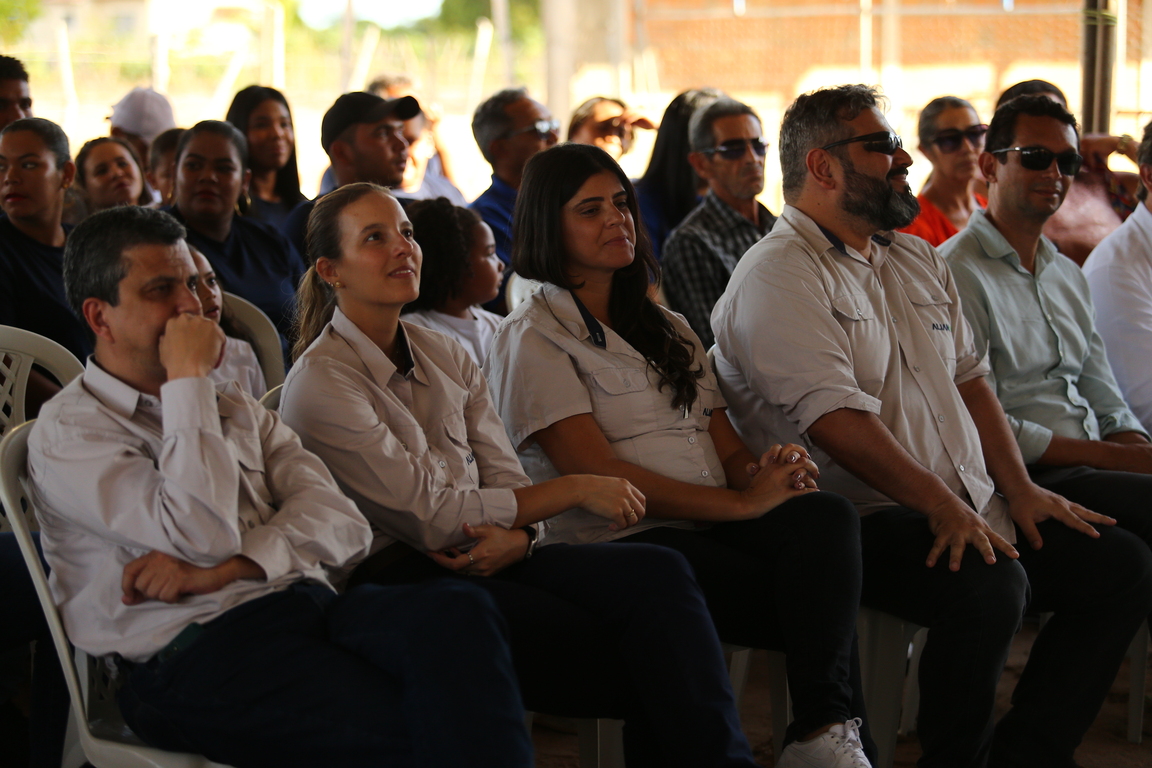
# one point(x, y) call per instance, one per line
point(337, 284)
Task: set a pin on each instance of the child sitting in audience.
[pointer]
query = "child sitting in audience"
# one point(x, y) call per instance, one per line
point(240, 363)
point(461, 272)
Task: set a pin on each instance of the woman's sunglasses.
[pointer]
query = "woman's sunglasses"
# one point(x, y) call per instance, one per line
point(949, 141)
point(734, 149)
point(884, 142)
point(1040, 159)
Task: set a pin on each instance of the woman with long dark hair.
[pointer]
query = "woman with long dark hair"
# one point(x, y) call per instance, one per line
point(589, 374)
point(110, 174)
point(255, 261)
point(403, 418)
point(263, 116)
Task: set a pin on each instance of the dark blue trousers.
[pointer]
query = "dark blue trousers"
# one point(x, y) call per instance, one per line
point(1100, 590)
point(381, 676)
point(613, 630)
point(23, 622)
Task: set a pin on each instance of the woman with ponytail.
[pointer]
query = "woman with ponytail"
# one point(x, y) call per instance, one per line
point(590, 375)
point(403, 418)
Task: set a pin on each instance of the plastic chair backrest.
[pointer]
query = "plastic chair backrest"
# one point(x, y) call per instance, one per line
point(94, 705)
point(19, 349)
point(271, 399)
point(517, 289)
point(262, 330)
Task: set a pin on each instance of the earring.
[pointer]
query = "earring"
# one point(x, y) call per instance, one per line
point(337, 284)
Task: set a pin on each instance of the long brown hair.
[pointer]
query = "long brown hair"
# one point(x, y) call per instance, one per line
point(316, 299)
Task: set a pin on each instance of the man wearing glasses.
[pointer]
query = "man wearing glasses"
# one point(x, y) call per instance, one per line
point(510, 127)
point(1031, 307)
point(728, 151)
point(836, 330)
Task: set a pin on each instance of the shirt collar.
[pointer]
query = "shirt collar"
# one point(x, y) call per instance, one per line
point(564, 309)
point(1143, 217)
point(503, 190)
point(729, 217)
point(824, 240)
point(379, 365)
point(122, 398)
point(995, 246)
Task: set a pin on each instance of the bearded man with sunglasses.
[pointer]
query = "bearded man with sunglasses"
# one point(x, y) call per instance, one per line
point(728, 152)
point(839, 331)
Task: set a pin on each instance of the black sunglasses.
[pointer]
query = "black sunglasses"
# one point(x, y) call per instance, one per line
point(734, 149)
point(949, 141)
point(1040, 159)
point(884, 142)
point(542, 128)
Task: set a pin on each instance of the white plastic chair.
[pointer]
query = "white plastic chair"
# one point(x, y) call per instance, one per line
point(19, 349)
point(266, 340)
point(271, 399)
point(517, 289)
point(97, 732)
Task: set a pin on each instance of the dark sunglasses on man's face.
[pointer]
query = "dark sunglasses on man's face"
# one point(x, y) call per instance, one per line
point(884, 142)
point(734, 149)
point(949, 141)
point(542, 128)
point(1040, 159)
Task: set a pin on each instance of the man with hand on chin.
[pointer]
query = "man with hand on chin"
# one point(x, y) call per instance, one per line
point(192, 539)
point(839, 331)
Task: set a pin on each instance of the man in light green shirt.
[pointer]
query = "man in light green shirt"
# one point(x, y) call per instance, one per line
point(1030, 306)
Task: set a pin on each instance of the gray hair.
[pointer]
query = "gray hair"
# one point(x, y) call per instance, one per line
point(816, 119)
point(700, 136)
point(490, 121)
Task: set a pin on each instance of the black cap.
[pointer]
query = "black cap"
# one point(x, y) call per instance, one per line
point(361, 107)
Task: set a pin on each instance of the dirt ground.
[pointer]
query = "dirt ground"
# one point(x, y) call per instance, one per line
point(1105, 746)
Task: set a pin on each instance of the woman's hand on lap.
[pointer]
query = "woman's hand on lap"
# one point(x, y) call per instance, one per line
point(496, 549)
point(612, 498)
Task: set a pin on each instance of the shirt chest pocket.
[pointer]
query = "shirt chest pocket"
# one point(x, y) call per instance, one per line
point(867, 338)
point(458, 451)
point(934, 307)
point(253, 483)
point(621, 398)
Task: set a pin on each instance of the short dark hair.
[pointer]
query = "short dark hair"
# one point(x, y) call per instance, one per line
point(490, 121)
point(82, 158)
point(926, 127)
point(815, 119)
point(220, 128)
point(53, 136)
point(94, 262)
point(446, 234)
point(700, 135)
point(1030, 88)
point(583, 113)
point(244, 103)
point(12, 68)
point(1144, 157)
point(163, 144)
point(1002, 129)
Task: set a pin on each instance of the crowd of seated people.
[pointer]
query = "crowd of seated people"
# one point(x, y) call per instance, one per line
point(462, 509)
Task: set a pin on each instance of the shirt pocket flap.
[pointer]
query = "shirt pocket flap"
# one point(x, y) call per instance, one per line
point(620, 381)
point(926, 294)
point(249, 453)
point(854, 306)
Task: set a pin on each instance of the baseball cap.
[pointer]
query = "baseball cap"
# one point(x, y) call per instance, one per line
point(361, 107)
point(144, 113)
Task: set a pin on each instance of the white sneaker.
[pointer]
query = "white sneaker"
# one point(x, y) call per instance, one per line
point(838, 747)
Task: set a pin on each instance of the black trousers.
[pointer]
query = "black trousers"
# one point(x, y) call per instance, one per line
point(1099, 590)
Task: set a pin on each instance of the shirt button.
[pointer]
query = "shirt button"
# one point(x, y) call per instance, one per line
point(444, 463)
point(859, 312)
point(935, 297)
point(961, 467)
point(940, 417)
point(404, 446)
point(692, 440)
point(916, 368)
point(704, 473)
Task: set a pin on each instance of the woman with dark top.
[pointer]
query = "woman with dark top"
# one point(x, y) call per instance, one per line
point(590, 375)
point(255, 261)
point(952, 138)
point(35, 171)
point(109, 173)
point(263, 116)
point(403, 418)
point(670, 188)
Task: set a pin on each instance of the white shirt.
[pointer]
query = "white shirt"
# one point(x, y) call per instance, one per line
point(474, 334)
point(240, 365)
point(201, 475)
point(421, 453)
point(805, 328)
point(1119, 274)
point(544, 367)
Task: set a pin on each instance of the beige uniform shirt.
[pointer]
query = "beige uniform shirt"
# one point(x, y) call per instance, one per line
point(806, 328)
point(421, 453)
point(543, 367)
point(201, 475)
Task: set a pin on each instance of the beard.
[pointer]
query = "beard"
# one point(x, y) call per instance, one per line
point(875, 201)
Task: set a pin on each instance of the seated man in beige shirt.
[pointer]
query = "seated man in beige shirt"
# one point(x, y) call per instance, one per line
point(192, 539)
point(840, 332)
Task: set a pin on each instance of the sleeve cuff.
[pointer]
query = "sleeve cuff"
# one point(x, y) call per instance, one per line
point(814, 407)
point(498, 506)
point(1121, 421)
point(190, 404)
point(1032, 438)
point(265, 546)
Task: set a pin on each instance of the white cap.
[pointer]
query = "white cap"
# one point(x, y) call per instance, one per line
point(144, 113)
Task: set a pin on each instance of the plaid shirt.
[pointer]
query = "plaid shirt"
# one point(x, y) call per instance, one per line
point(700, 255)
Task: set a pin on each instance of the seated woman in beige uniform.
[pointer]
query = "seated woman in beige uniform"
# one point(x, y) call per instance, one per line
point(403, 418)
point(590, 375)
